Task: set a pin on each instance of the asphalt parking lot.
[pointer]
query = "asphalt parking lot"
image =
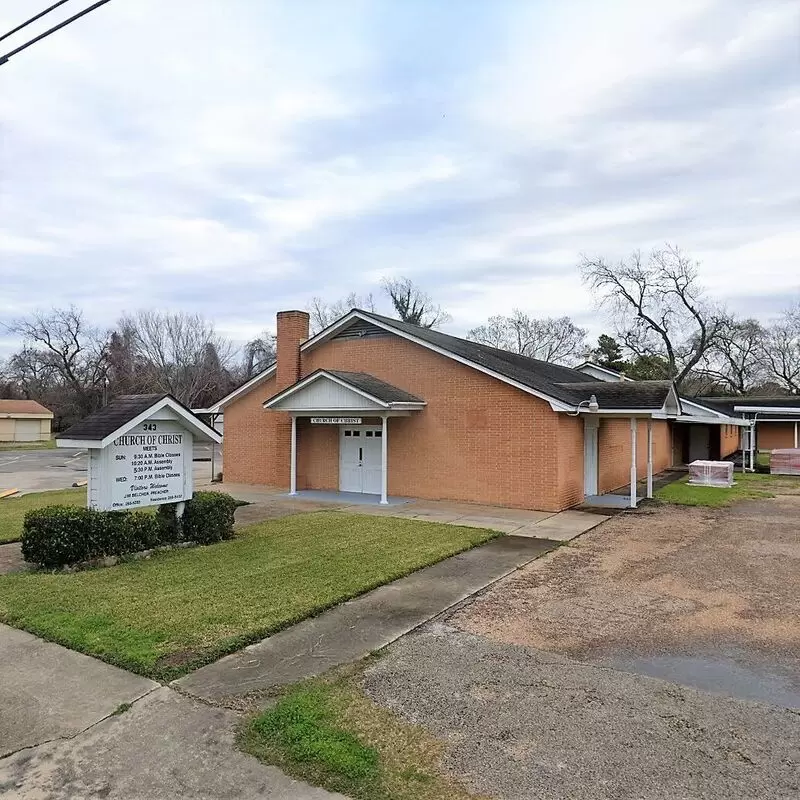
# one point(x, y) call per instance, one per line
point(42, 470)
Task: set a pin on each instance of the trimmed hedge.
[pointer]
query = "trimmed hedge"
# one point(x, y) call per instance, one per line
point(56, 536)
point(208, 517)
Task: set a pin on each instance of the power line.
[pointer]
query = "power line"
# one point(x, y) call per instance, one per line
point(33, 19)
point(55, 28)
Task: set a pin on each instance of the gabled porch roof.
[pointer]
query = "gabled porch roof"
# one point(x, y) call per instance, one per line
point(337, 390)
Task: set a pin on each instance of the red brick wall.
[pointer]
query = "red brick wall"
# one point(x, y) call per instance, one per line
point(728, 440)
point(570, 460)
point(478, 439)
point(774, 435)
point(249, 446)
point(317, 455)
point(614, 444)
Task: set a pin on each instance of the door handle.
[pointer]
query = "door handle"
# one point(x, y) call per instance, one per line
point(360, 456)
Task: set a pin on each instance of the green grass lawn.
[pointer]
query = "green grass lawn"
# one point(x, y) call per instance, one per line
point(49, 444)
point(746, 486)
point(166, 615)
point(326, 732)
point(12, 509)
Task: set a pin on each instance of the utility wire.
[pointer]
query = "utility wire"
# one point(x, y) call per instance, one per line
point(33, 19)
point(55, 28)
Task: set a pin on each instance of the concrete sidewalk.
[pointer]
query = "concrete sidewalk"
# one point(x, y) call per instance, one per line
point(72, 726)
point(559, 526)
point(269, 503)
point(352, 630)
point(48, 692)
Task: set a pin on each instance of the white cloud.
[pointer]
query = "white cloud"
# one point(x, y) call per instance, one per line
point(241, 157)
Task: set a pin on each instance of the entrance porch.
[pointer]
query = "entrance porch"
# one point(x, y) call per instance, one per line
point(344, 417)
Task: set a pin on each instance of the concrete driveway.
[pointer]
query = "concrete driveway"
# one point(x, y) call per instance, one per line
point(71, 726)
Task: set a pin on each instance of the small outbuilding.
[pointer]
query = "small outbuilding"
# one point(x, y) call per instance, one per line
point(24, 421)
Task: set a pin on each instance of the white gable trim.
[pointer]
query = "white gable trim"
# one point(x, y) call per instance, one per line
point(243, 389)
point(706, 411)
point(198, 428)
point(332, 330)
point(324, 374)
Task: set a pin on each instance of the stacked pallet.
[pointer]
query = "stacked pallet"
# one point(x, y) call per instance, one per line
point(785, 462)
point(711, 473)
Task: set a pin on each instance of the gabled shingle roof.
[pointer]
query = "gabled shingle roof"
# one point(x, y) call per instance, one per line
point(377, 389)
point(105, 421)
point(647, 395)
point(553, 380)
point(374, 386)
point(23, 407)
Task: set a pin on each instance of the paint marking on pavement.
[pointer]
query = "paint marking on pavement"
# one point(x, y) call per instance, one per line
point(10, 461)
point(77, 455)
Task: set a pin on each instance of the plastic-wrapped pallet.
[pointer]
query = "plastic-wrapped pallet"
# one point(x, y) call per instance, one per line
point(784, 462)
point(711, 473)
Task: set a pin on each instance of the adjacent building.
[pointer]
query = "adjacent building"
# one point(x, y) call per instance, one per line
point(24, 421)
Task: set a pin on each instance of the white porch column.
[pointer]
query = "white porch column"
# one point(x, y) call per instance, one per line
point(796, 436)
point(634, 424)
point(293, 467)
point(384, 460)
point(649, 456)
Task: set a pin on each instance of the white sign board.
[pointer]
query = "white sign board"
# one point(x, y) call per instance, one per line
point(335, 420)
point(149, 465)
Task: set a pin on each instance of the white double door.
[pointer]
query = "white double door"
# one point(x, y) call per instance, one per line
point(360, 459)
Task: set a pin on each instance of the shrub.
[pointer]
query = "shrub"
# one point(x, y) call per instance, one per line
point(208, 517)
point(58, 535)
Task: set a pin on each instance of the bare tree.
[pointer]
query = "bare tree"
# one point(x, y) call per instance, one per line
point(734, 361)
point(658, 306)
point(550, 339)
point(323, 313)
point(61, 352)
point(178, 353)
point(781, 350)
point(259, 353)
point(412, 304)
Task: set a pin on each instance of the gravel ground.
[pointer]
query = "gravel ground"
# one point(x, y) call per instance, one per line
point(713, 594)
point(521, 723)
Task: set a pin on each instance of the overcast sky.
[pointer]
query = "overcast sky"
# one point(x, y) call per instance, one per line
point(237, 158)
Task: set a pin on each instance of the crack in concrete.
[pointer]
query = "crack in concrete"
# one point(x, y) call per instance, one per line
point(70, 737)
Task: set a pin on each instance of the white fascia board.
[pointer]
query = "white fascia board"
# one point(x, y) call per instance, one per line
point(768, 410)
point(687, 419)
point(307, 381)
point(331, 330)
point(243, 389)
point(407, 406)
point(83, 444)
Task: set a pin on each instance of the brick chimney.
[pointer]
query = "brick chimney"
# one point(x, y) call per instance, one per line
point(292, 328)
